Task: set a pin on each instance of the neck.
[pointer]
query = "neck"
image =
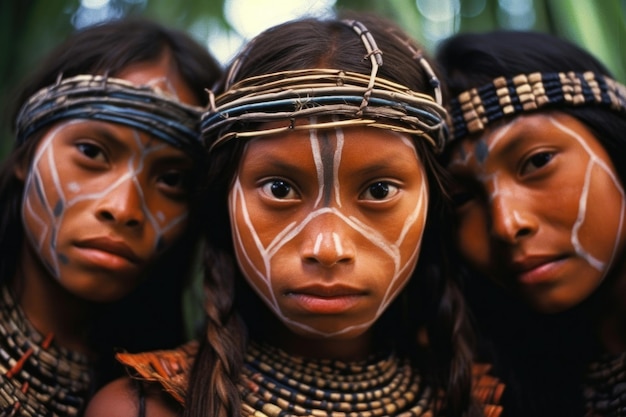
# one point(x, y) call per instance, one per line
point(49, 307)
point(612, 317)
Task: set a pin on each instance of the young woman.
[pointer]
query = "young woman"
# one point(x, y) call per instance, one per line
point(100, 184)
point(322, 149)
point(538, 154)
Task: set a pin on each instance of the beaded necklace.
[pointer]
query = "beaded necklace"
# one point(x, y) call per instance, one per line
point(276, 384)
point(604, 388)
point(37, 377)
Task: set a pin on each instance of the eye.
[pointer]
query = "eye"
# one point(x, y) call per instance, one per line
point(536, 161)
point(174, 180)
point(279, 189)
point(379, 190)
point(91, 151)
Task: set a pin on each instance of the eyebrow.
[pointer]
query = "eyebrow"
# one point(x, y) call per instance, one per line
point(265, 161)
point(101, 130)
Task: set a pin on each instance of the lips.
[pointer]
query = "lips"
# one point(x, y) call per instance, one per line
point(326, 299)
point(536, 268)
point(114, 247)
point(328, 291)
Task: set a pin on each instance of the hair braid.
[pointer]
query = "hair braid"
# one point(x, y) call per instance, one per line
point(458, 390)
point(218, 363)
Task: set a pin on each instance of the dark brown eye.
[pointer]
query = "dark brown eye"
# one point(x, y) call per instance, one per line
point(379, 190)
point(537, 161)
point(90, 150)
point(279, 189)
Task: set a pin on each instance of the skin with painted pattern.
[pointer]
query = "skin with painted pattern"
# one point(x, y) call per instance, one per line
point(326, 231)
point(102, 200)
point(540, 208)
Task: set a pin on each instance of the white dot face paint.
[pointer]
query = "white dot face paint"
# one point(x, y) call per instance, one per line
point(101, 201)
point(328, 224)
point(540, 208)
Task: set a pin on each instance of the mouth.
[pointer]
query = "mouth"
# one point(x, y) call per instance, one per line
point(109, 247)
point(320, 299)
point(537, 269)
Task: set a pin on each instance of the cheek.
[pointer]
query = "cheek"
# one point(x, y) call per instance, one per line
point(169, 229)
point(168, 219)
point(41, 209)
point(248, 249)
point(601, 232)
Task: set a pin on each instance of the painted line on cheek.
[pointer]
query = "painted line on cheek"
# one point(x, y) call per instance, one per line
point(374, 236)
point(41, 222)
point(582, 208)
point(47, 152)
point(237, 200)
point(401, 268)
point(594, 160)
point(55, 174)
point(420, 206)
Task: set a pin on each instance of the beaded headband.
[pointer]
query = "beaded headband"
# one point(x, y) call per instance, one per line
point(112, 100)
point(358, 99)
point(472, 110)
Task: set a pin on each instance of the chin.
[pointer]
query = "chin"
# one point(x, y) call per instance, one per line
point(551, 305)
point(329, 333)
point(101, 294)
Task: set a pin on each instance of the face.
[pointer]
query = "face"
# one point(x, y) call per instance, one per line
point(102, 200)
point(540, 208)
point(328, 224)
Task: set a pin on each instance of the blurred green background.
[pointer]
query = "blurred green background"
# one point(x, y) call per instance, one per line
point(30, 28)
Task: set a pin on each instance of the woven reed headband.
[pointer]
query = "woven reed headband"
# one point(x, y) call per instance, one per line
point(351, 99)
point(472, 110)
point(112, 100)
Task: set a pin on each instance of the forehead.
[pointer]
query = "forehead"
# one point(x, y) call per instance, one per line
point(162, 75)
point(118, 137)
point(505, 136)
point(367, 139)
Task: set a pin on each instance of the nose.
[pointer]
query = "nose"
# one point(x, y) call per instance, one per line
point(328, 242)
point(511, 221)
point(123, 205)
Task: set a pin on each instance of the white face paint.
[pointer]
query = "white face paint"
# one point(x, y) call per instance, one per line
point(101, 201)
point(328, 224)
point(541, 208)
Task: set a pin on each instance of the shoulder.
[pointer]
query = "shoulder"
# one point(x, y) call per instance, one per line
point(124, 398)
point(168, 369)
point(487, 389)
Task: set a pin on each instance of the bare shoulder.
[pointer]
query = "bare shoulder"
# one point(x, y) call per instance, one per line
point(123, 398)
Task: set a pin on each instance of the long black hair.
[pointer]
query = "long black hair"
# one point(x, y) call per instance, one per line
point(541, 357)
point(434, 301)
point(151, 317)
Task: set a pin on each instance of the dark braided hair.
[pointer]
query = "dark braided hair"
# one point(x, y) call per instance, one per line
point(434, 301)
